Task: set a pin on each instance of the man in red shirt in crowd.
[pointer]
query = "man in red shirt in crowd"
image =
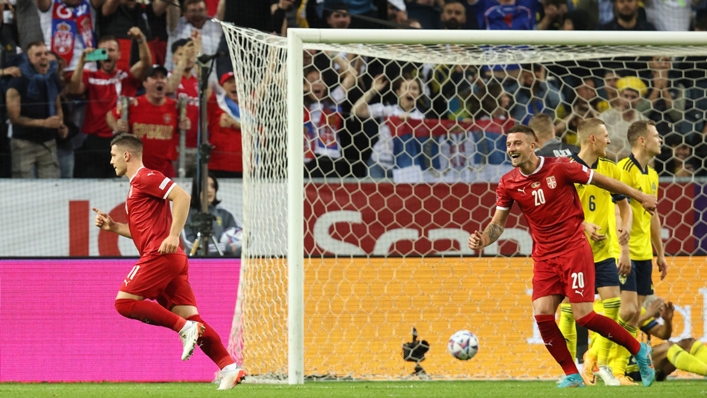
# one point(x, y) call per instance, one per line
point(225, 130)
point(162, 272)
point(154, 119)
point(183, 81)
point(564, 265)
point(103, 88)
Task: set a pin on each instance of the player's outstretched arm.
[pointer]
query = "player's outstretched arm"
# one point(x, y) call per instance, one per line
point(493, 231)
point(649, 202)
point(105, 222)
point(180, 210)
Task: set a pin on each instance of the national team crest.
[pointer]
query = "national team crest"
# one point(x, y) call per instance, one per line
point(64, 38)
point(167, 118)
point(551, 183)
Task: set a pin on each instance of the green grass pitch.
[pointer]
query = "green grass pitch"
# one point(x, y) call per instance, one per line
point(446, 389)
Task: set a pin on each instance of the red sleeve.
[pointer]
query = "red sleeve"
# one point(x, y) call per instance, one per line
point(155, 184)
point(503, 201)
point(576, 173)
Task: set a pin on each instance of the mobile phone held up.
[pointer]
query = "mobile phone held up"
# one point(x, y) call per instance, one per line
point(99, 54)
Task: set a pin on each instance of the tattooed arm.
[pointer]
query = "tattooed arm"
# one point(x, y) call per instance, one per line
point(478, 240)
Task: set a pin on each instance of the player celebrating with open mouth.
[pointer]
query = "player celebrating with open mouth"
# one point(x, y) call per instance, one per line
point(564, 264)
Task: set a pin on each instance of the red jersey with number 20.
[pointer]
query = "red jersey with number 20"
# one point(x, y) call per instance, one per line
point(148, 210)
point(550, 203)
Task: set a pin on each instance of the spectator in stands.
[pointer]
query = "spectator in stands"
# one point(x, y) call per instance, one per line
point(154, 119)
point(626, 17)
point(577, 20)
point(224, 221)
point(8, 52)
point(34, 109)
point(584, 106)
point(323, 120)
point(428, 12)
point(69, 27)
point(451, 85)
point(681, 163)
point(490, 103)
point(668, 15)
point(666, 99)
point(534, 93)
point(454, 16)
point(117, 17)
point(619, 118)
point(225, 130)
point(408, 91)
point(27, 21)
point(103, 88)
point(194, 18)
point(397, 12)
point(66, 145)
point(337, 17)
point(366, 8)
point(548, 143)
point(553, 14)
point(184, 83)
point(506, 14)
point(609, 92)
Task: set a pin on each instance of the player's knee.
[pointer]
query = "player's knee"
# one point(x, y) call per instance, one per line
point(124, 307)
point(585, 318)
point(629, 312)
point(686, 344)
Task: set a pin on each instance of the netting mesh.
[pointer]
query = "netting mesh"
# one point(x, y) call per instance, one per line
point(403, 147)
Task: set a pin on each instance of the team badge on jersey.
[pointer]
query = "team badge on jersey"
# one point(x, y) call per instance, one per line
point(551, 183)
point(167, 118)
point(535, 185)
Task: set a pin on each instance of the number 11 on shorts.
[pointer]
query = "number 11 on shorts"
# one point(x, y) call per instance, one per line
point(132, 274)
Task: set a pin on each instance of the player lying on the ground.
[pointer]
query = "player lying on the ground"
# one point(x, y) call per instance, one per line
point(688, 354)
point(563, 261)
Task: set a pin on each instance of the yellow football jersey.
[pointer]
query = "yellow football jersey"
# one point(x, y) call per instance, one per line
point(598, 206)
point(646, 181)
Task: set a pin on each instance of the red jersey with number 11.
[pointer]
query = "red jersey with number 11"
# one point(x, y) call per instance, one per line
point(148, 210)
point(550, 203)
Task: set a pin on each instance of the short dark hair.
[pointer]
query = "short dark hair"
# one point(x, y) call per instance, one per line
point(190, 2)
point(35, 44)
point(128, 141)
point(638, 129)
point(523, 129)
point(106, 38)
point(179, 43)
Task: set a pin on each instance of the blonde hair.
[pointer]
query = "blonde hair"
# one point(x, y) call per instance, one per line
point(588, 127)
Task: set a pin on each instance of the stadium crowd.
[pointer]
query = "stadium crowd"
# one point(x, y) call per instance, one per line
point(62, 102)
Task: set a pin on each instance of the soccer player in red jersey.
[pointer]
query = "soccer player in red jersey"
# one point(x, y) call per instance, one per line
point(154, 118)
point(162, 273)
point(564, 265)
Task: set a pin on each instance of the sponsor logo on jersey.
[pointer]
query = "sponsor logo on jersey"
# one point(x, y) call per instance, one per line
point(551, 182)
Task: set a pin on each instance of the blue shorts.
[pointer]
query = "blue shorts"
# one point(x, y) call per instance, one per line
point(639, 280)
point(607, 273)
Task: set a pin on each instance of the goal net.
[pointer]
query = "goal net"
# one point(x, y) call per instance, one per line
point(392, 153)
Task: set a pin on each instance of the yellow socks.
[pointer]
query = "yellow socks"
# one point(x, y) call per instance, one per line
point(604, 345)
point(568, 328)
point(683, 360)
point(699, 351)
point(618, 359)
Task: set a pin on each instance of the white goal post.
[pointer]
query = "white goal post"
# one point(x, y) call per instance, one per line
point(421, 46)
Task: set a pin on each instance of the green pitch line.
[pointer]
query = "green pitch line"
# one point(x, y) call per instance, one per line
point(440, 389)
